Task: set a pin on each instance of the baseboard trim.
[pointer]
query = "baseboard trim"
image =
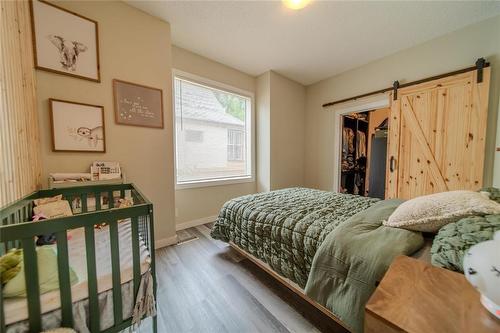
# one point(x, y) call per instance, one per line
point(165, 242)
point(195, 223)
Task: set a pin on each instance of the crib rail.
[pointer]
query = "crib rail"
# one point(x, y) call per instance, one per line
point(17, 231)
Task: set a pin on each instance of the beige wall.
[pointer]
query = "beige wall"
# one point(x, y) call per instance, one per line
point(204, 202)
point(134, 47)
point(287, 132)
point(280, 132)
point(263, 132)
point(451, 52)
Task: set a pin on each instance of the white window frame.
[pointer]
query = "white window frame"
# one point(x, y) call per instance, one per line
point(225, 88)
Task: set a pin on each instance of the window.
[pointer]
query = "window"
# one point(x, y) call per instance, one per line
point(235, 145)
point(213, 133)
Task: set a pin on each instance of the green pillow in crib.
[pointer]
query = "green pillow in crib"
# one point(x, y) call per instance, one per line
point(48, 277)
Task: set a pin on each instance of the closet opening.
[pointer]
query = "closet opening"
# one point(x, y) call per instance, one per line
point(363, 159)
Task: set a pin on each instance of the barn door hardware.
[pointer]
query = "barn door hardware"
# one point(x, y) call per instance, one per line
point(395, 87)
point(392, 164)
point(480, 64)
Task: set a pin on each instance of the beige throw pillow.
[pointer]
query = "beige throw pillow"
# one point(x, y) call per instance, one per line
point(429, 213)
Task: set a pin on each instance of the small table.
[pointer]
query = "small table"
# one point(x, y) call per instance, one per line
point(417, 297)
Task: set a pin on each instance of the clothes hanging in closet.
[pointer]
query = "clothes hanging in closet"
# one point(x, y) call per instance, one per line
point(354, 152)
point(361, 144)
point(347, 149)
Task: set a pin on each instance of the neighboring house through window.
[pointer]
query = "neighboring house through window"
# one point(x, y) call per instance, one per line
point(213, 138)
point(194, 136)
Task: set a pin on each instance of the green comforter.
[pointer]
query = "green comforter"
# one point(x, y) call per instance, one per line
point(284, 228)
point(333, 245)
point(354, 257)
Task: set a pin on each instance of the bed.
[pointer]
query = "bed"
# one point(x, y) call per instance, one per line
point(115, 273)
point(320, 244)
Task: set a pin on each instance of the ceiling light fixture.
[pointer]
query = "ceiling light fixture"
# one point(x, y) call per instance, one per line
point(296, 4)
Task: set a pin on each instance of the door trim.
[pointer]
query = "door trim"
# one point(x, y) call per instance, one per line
point(369, 103)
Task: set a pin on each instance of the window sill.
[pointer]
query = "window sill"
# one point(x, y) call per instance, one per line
point(215, 182)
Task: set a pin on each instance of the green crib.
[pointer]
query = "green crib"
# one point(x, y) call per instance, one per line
point(17, 231)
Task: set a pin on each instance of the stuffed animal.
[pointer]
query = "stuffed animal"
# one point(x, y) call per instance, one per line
point(126, 202)
point(482, 270)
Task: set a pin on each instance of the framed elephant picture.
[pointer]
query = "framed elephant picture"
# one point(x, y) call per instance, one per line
point(77, 127)
point(64, 42)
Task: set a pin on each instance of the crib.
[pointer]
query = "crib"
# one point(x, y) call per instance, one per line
point(17, 231)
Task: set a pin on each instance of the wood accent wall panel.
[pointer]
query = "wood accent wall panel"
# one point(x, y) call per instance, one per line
point(20, 161)
point(437, 136)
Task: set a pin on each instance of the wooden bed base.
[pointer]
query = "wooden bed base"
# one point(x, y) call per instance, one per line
point(289, 284)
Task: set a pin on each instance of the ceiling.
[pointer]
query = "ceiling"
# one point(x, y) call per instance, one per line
point(321, 40)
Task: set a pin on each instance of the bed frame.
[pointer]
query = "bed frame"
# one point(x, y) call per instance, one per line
point(289, 284)
point(17, 231)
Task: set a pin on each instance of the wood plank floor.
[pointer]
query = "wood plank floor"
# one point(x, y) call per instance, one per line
point(205, 286)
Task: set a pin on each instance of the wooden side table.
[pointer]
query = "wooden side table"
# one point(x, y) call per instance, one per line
point(417, 297)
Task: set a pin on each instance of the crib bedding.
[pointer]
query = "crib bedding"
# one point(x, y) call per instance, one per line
point(16, 308)
point(80, 309)
point(284, 228)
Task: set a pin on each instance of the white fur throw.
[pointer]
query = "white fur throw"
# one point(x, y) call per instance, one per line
point(429, 213)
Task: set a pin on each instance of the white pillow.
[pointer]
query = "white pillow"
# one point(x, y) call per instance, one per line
point(429, 213)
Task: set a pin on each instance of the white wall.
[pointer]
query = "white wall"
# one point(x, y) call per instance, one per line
point(146, 154)
point(198, 203)
point(447, 53)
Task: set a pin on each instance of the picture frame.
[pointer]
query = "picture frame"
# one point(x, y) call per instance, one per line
point(64, 42)
point(77, 127)
point(137, 104)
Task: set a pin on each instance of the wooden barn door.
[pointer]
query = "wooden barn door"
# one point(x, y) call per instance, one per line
point(437, 136)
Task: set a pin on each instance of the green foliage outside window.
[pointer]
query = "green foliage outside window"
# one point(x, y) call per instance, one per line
point(234, 105)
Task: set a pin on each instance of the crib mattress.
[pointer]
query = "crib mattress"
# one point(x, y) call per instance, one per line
point(16, 308)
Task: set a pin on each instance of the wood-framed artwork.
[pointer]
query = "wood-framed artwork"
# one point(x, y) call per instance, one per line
point(137, 105)
point(64, 42)
point(77, 127)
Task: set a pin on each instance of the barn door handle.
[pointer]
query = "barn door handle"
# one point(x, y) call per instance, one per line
point(391, 163)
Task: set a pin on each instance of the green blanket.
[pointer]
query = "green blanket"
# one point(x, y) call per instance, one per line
point(354, 257)
point(284, 228)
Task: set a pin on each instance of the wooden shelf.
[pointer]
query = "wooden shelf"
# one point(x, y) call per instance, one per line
point(66, 184)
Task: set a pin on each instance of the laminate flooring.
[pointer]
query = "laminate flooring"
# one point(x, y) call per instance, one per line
point(205, 286)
